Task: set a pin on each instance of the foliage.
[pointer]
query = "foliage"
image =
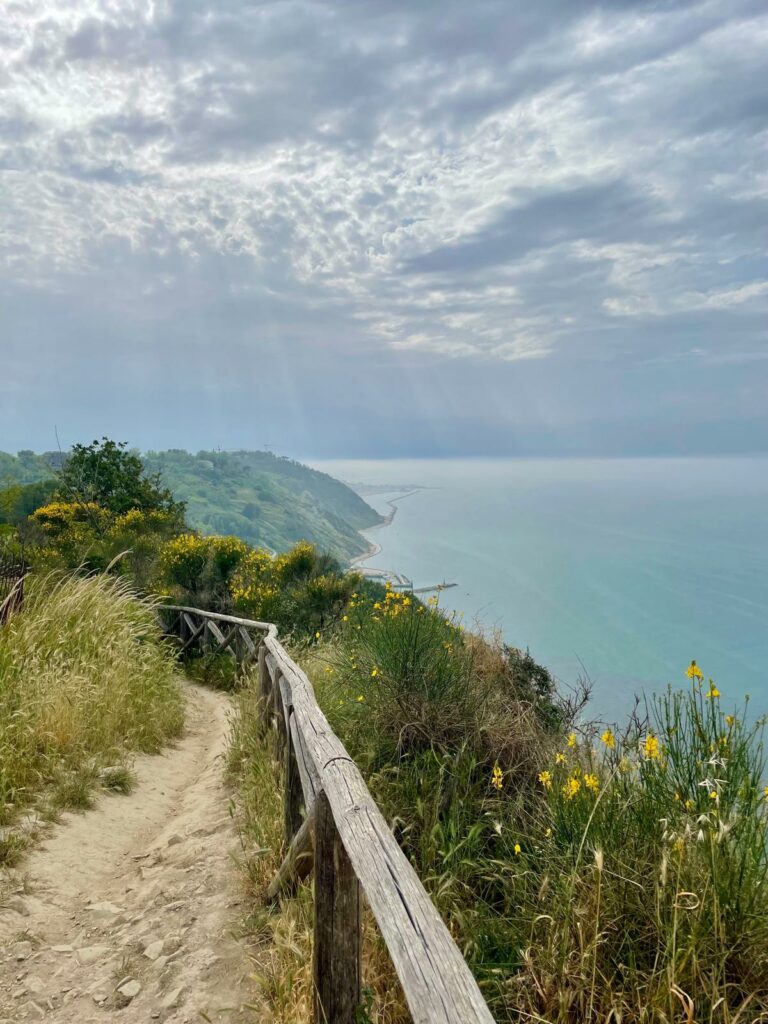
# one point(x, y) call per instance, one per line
point(107, 474)
point(84, 535)
point(27, 468)
point(20, 500)
point(303, 591)
point(84, 680)
point(587, 874)
point(270, 502)
point(199, 570)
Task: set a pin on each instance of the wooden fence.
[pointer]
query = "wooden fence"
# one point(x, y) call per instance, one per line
point(333, 826)
point(12, 575)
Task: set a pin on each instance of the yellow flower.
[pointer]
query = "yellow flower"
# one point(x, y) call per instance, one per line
point(713, 795)
point(317, 635)
point(497, 777)
point(328, 669)
point(608, 739)
point(559, 758)
point(572, 740)
point(377, 605)
point(571, 788)
point(694, 672)
point(360, 698)
point(518, 849)
point(545, 778)
point(591, 782)
point(765, 792)
point(374, 672)
point(548, 833)
point(651, 748)
point(713, 691)
point(345, 618)
point(689, 804)
point(730, 720)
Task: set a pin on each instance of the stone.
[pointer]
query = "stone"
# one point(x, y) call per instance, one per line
point(34, 1010)
point(62, 949)
point(128, 991)
point(175, 840)
point(34, 985)
point(173, 998)
point(154, 949)
point(103, 911)
point(91, 954)
point(21, 950)
point(17, 904)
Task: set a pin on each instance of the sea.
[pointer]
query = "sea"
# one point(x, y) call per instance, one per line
point(617, 571)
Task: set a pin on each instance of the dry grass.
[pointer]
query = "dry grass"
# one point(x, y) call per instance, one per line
point(85, 680)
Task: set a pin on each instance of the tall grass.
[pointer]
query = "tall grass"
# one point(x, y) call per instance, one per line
point(85, 679)
point(588, 874)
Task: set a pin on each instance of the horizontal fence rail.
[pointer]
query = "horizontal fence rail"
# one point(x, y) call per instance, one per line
point(334, 827)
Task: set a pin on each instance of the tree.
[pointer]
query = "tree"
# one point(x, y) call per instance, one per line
point(108, 474)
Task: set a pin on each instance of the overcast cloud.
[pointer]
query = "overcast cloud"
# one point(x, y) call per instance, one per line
point(382, 227)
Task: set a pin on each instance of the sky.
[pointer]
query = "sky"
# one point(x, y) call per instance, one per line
point(385, 227)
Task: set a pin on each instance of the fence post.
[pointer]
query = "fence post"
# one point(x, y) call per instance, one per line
point(336, 954)
point(265, 687)
point(292, 792)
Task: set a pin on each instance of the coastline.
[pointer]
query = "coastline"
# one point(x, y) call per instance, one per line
point(373, 547)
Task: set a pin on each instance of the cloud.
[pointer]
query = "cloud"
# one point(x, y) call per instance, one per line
point(500, 184)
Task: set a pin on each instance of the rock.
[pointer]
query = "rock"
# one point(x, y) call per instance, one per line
point(99, 996)
point(176, 905)
point(62, 949)
point(175, 840)
point(21, 950)
point(33, 1010)
point(154, 949)
point(128, 990)
point(18, 993)
point(18, 904)
point(34, 985)
point(91, 954)
point(173, 998)
point(104, 911)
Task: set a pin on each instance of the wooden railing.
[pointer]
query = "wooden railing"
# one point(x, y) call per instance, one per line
point(333, 825)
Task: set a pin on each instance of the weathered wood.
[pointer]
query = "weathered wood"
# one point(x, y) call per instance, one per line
point(265, 687)
point(292, 791)
point(310, 780)
point(297, 864)
point(195, 632)
point(436, 980)
point(336, 948)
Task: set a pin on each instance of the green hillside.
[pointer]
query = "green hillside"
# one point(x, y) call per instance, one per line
point(264, 499)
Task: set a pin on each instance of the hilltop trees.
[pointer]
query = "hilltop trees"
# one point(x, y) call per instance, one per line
point(108, 474)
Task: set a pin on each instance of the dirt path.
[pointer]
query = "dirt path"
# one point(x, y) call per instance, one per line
point(126, 911)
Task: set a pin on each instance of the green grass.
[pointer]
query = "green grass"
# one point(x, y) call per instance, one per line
point(85, 681)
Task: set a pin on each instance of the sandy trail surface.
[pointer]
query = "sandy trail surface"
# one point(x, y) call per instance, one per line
point(128, 912)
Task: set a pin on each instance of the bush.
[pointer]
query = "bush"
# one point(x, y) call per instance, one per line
point(85, 679)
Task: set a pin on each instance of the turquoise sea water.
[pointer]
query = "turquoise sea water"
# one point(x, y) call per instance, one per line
point(622, 569)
